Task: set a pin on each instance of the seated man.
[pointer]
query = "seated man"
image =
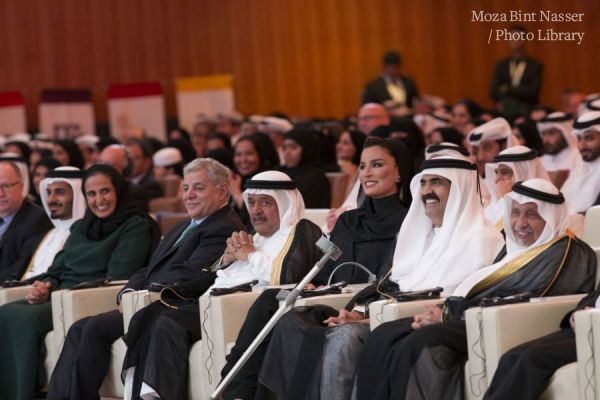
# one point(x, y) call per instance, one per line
point(515, 164)
point(489, 139)
point(366, 235)
point(560, 146)
point(64, 203)
point(22, 224)
point(281, 251)
point(424, 357)
point(443, 239)
point(582, 186)
point(142, 175)
point(184, 254)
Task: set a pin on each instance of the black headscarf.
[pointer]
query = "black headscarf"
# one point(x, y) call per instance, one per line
point(23, 147)
point(450, 135)
point(72, 149)
point(358, 140)
point(267, 154)
point(99, 228)
point(397, 149)
point(529, 131)
point(308, 139)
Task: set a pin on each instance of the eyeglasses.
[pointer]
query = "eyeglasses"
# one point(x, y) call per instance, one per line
point(8, 187)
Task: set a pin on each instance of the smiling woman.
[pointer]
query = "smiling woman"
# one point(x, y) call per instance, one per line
point(112, 240)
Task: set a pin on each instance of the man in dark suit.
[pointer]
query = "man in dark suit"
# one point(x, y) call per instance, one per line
point(517, 79)
point(22, 224)
point(391, 89)
point(185, 254)
point(141, 168)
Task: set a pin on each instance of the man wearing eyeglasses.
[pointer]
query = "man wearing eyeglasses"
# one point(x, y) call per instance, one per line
point(22, 224)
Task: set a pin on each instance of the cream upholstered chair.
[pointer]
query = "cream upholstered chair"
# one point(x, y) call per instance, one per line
point(170, 184)
point(220, 332)
point(8, 295)
point(491, 331)
point(68, 306)
point(591, 226)
point(338, 186)
point(317, 216)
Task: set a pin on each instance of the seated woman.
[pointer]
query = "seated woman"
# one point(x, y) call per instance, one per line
point(112, 240)
point(366, 235)
point(252, 154)
point(348, 149)
point(67, 153)
point(300, 154)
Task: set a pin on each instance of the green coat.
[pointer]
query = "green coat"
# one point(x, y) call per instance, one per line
point(24, 326)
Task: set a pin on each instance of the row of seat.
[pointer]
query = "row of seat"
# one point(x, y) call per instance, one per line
point(491, 331)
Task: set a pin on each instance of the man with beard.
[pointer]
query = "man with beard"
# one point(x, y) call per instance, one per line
point(560, 146)
point(583, 185)
point(64, 203)
point(423, 357)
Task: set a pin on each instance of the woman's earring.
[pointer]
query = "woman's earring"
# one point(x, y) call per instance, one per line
point(398, 179)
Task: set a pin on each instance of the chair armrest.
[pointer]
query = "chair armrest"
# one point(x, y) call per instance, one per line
point(8, 295)
point(396, 310)
point(221, 318)
point(337, 301)
point(68, 306)
point(587, 334)
point(132, 302)
point(492, 331)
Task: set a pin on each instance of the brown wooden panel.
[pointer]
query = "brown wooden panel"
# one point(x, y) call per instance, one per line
point(302, 57)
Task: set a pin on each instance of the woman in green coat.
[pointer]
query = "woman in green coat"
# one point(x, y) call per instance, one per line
point(112, 240)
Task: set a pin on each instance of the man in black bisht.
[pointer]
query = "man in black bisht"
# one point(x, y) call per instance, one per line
point(423, 358)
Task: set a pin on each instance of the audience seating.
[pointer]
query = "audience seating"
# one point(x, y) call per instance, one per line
point(166, 204)
point(338, 185)
point(591, 226)
point(167, 220)
point(171, 184)
point(317, 216)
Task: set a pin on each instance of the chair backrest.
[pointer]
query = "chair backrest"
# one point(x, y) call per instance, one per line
point(170, 204)
point(167, 220)
point(591, 226)
point(338, 185)
point(317, 216)
point(170, 185)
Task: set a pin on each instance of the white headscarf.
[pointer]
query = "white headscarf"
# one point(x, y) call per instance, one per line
point(568, 157)
point(445, 149)
point(583, 184)
point(555, 215)
point(54, 240)
point(522, 170)
point(496, 129)
point(23, 169)
point(426, 257)
point(260, 263)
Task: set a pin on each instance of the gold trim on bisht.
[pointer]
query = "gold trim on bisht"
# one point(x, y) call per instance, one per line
point(517, 263)
point(278, 262)
point(499, 225)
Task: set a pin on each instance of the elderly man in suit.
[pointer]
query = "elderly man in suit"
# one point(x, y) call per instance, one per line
point(22, 224)
point(185, 254)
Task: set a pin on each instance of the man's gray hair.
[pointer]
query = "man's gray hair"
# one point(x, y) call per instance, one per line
point(217, 173)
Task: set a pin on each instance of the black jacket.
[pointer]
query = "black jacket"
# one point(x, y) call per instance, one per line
point(21, 239)
point(376, 91)
point(197, 251)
